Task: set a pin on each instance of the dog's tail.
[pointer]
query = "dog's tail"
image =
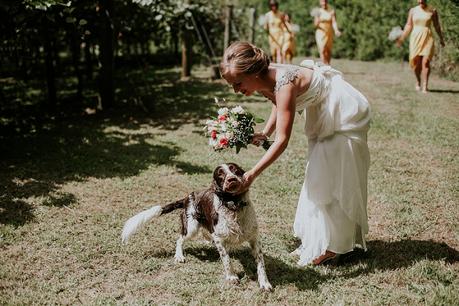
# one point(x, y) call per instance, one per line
point(135, 223)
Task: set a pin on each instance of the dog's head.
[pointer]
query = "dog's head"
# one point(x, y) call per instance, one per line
point(228, 178)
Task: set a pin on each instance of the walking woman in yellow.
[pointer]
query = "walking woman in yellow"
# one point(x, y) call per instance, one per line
point(419, 20)
point(274, 26)
point(289, 45)
point(325, 23)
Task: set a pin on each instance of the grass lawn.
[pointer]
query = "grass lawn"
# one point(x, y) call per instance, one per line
point(68, 186)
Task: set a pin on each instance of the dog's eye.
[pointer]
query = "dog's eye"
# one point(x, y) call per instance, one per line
point(221, 172)
point(236, 170)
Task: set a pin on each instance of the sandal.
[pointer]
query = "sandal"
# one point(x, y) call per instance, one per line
point(327, 257)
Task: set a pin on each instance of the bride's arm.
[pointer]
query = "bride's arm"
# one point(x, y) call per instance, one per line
point(284, 116)
point(270, 126)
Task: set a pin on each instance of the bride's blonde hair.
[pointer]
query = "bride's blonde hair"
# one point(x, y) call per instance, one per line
point(244, 57)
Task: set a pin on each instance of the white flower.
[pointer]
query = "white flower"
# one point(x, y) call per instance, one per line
point(238, 110)
point(395, 33)
point(213, 142)
point(315, 12)
point(235, 124)
point(229, 135)
point(223, 127)
point(223, 111)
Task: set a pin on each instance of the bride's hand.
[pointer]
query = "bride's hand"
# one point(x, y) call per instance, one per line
point(248, 177)
point(258, 138)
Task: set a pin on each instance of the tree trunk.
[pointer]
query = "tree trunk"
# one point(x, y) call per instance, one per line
point(228, 17)
point(88, 60)
point(75, 47)
point(252, 20)
point(107, 92)
point(186, 54)
point(50, 72)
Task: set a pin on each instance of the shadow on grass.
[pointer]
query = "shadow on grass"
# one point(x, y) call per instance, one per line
point(386, 255)
point(40, 155)
point(444, 91)
point(281, 273)
point(278, 271)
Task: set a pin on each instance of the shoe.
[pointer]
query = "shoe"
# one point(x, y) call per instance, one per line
point(328, 257)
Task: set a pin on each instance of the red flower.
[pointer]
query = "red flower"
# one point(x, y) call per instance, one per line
point(213, 134)
point(223, 142)
point(221, 117)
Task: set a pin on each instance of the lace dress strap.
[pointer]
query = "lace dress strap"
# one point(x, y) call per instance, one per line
point(288, 77)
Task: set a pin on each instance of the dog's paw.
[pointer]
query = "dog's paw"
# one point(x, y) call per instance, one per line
point(179, 258)
point(232, 279)
point(266, 286)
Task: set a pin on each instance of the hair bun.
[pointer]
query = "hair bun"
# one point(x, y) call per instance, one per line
point(245, 57)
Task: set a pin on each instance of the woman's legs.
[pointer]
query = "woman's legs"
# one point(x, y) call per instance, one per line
point(425, 73)
point(326, 57)
point(288, 57)
point(417, 71)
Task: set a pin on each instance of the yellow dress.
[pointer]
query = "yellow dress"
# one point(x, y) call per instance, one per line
point(275, 31)
point(288, 46)
point(421, 39)
point(324, 32)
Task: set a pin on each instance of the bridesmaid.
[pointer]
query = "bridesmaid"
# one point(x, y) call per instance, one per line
point(419, 20)
point(325, 24)
point(289, 45)
point(274, 25)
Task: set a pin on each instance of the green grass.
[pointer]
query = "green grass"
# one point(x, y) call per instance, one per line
point(68, 185)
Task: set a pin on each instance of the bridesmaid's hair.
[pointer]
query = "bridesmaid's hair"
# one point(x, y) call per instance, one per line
point(244, 58)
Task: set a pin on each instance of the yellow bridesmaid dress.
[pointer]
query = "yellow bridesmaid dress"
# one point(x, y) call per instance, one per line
point(289, 45)
point(421, 39)
point(324, 32)
point(275, 30)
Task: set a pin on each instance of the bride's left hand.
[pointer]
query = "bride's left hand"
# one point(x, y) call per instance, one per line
point(258, 138)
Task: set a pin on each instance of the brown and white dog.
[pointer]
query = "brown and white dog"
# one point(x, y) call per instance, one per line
point(221, 213)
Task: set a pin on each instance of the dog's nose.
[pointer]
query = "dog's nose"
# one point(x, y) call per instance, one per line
point(232, 179)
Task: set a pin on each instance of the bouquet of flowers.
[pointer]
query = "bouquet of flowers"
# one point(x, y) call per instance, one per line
point(233, 128)
point(395, 33)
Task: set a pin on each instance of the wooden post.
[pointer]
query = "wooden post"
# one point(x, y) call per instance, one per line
point(228, 20)
point(252, 20)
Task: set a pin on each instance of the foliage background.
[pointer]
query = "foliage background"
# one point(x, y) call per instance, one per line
point(365, 26)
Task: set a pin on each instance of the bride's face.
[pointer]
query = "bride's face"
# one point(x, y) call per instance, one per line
point(246, 84)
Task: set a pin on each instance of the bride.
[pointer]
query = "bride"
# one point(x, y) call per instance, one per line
point(331, 217)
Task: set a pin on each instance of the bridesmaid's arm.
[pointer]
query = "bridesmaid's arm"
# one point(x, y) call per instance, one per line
point(285, 114)
point(316, 21)
point(335, 25)
point(437, 27)
point(407, 29)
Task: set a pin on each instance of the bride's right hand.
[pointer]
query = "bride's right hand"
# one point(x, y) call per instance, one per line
point(258, 139)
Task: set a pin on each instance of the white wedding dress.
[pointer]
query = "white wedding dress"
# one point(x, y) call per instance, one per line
point(332, 208)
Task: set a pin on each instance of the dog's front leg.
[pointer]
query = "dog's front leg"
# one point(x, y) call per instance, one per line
point(258, 254)
point(229, 274)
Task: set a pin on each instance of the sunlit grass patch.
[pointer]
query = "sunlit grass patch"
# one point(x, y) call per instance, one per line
point(68, 189)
